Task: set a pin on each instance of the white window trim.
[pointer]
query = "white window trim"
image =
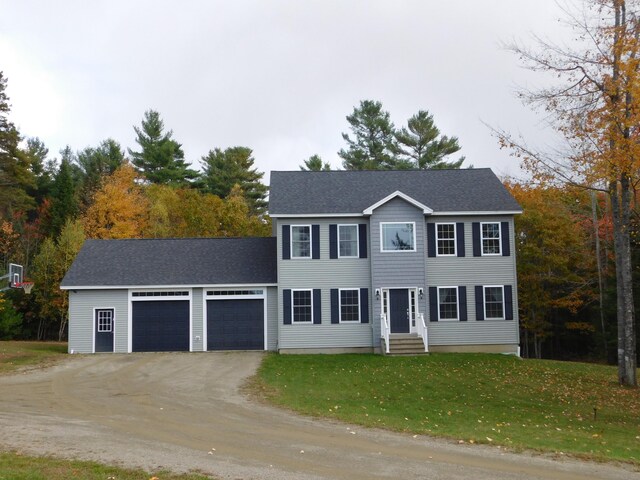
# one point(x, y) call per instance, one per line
point(455, 240)
point(499, 240)
point(457, 319)
point(484, 301)
point(113, 314)
point(293, 317)
point(357, 255)
point(340, 290)
point(382, 250)
point(310, 243)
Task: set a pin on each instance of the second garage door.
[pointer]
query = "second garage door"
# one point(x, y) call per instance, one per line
point(160, 326)
point(235, 325)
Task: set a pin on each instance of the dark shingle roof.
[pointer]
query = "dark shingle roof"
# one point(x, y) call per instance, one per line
point(465, 190)
point(180, 261)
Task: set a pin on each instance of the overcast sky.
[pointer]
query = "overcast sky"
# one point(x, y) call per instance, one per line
point(276, 76)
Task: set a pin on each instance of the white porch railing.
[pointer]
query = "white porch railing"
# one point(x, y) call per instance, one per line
point(421, 328)
point(385, 331)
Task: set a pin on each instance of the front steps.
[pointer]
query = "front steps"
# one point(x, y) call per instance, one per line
point(404, 344)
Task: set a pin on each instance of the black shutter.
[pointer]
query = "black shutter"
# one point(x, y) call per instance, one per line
point(433, 304)
point(475, 230)
point(317, 306)
point(431, 239)
point(335, 306)
point(364, 305)
point(508, 302)
point(333, 241)
point(362, 239)
point(286, 242)
point(506, 244)
point(479, 302)
point(315, 241)
point(460, 239)
point(462, 302)
point(286, 306)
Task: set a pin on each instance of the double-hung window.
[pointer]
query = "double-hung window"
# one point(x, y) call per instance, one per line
point(448, 303)
point(446, 238)
point(105, 320)
point(349, 305)
point(348, 241)
point(398, 237)
point(301, 306)
point(490, 236)
point(494, 303)
point(301, 241)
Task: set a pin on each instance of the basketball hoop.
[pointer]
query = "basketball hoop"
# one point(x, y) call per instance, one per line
point(26, 286)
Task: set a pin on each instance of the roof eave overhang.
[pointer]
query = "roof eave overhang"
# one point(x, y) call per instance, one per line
point(398, 194)
point(202, 285)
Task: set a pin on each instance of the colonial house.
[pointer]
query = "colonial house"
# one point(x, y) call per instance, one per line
point(359, 261)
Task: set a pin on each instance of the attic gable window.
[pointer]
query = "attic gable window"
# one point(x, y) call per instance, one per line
point(301, 241)
point(397, 237)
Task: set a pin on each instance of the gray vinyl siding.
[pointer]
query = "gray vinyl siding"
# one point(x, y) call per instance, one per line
point(272, 318)
point(81, 317)
point(324, 274)
point(197, 320)
point(470, 271)
point(397, 269)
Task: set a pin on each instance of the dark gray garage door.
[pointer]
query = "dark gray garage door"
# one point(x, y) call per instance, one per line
point(235, 325)
point(160, 326)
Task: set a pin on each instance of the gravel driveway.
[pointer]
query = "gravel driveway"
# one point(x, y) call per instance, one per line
point(184, 412)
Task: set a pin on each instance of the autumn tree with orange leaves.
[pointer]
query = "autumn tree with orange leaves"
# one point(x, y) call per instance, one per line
point(595, 106)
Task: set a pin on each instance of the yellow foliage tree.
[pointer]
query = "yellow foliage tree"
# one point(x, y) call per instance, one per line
point(119, 208)
point(594, 104)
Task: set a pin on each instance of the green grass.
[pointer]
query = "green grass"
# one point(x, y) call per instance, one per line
point(15, 466)
point(478, 398)
point(14, 355)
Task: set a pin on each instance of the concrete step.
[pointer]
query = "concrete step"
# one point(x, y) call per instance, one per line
point(406, 345)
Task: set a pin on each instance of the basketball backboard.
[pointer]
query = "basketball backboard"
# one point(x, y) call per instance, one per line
point(15, 275)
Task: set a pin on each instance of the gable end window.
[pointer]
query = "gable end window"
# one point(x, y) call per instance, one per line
point(446, 239)
point(348, 241)
point(300, 241)
point(105, 320)
point(398, 237)
point(490, 238)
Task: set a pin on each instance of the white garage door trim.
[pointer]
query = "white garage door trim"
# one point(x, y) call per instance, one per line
point(233, 293)
point(150, 294)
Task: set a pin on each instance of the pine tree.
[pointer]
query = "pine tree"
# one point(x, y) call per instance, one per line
point(373, 145)
point(15, 176)
point(234, 166)
point(64, 198)
point(420, 143)
point(315, 164)
point(161, 159)
point(95, 163)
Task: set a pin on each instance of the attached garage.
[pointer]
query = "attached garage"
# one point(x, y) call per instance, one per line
point(235, 324)
point(173, 295)
point(160, 326)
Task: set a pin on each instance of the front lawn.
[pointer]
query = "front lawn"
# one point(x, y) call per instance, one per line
point(14, 466)
point(552, 406)
point(14, 355)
